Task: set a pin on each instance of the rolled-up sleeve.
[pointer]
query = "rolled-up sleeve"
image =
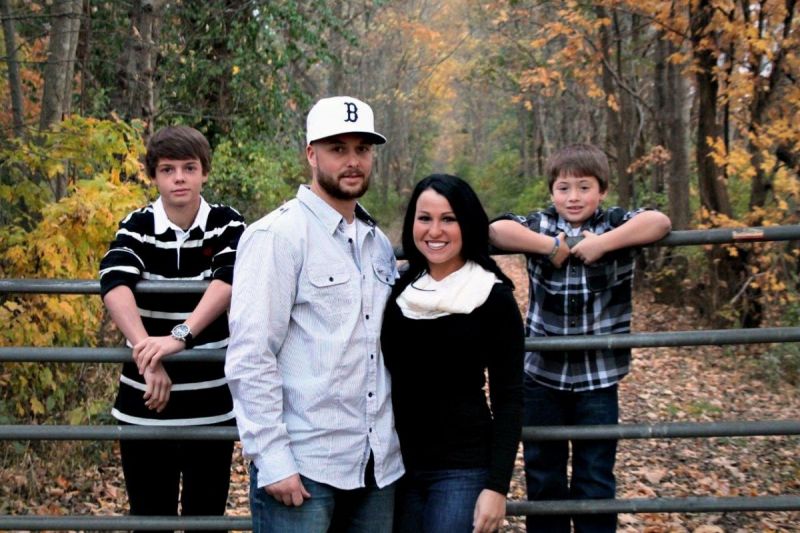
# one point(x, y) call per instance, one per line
point(123, 264)
point(223, 261)
point(264, 290)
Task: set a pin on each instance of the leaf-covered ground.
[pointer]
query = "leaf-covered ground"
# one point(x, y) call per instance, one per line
point(666, 385)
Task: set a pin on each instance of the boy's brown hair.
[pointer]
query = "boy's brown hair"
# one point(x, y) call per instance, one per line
point(576, 160)
point(177, 142)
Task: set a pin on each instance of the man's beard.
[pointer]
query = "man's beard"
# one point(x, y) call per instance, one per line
point(332, 186)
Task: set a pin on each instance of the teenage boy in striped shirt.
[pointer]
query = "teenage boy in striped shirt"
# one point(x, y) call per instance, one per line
point(178, 237)
point(580, 290)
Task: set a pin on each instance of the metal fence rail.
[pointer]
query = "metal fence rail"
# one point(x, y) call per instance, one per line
point(514, 508)
point(118, 523)
point(713, 337)
point(675, 238)
point(655, 505)
point(669, 430)
point(621, 431)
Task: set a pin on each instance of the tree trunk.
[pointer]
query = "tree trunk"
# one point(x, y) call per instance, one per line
point(677, 133)
point(82, 54)
point(713, 190)
point(74, 34)
point(525, 141)
point(626, 132)
point(617, 127)
point(764, 93)
point(58, 72)
point(59, 62)
point(544, 149)
point(134, 97)
point(14, 79)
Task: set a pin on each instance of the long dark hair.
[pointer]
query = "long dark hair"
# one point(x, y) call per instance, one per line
point(471, 219)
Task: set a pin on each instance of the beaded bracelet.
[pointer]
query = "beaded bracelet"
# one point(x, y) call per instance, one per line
point(556, 246)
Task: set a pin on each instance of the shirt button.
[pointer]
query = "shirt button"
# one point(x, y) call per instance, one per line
point(330, 279)
point(369, 395)
point(372, 356)
point(367, 317)
point(370, 430)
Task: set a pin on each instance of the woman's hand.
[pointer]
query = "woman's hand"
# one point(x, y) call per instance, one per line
point(490, 509)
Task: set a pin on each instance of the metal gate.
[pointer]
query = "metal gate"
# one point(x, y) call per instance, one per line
point(622, 431)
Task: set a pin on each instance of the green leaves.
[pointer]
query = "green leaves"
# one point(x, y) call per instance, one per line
point(254, 177)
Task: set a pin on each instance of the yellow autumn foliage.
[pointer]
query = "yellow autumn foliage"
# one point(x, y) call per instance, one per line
point(66, 242)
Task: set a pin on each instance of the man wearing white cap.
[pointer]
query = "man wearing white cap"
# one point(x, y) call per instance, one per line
point(311, 394)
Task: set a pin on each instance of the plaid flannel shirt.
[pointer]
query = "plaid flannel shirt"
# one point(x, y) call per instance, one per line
point(578, 299)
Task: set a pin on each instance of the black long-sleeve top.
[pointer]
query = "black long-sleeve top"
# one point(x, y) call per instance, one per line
point(438, 378)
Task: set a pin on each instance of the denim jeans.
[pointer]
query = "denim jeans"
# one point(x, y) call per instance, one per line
point(438, 501)
point(363, 510)
point(592, 460)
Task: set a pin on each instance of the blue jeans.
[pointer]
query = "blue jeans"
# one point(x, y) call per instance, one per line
point(364, 510)
point(592, 460)
point(438, 501)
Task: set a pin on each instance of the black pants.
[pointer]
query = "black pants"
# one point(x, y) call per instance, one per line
point(153, 470)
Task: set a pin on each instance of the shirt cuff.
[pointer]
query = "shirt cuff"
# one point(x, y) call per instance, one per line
point(109, 282)
point(278, 466)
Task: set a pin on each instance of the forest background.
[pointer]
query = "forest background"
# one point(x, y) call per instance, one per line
point(694, 101)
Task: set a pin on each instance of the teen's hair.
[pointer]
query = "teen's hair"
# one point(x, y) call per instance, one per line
point(177, 142)
point(472, 221)
point(577, 160)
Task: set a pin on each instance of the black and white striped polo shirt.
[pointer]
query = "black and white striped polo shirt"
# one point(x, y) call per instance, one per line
point(147, 246)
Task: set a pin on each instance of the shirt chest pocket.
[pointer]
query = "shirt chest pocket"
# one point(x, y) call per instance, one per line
point(329, 288)
point(550, 278)
point(384, 272)
point(606, 275)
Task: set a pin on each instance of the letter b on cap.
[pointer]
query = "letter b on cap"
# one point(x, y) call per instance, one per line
point(352, 112)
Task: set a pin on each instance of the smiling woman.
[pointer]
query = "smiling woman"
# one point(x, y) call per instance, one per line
point(437, 234)
point(459, 453)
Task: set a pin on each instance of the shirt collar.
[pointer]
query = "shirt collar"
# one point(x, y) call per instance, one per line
point(163, 223)
point(329, 216)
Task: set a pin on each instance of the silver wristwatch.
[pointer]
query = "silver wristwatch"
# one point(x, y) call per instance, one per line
point(183, 333)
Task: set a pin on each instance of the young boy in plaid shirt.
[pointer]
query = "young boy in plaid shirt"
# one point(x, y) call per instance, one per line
point(580, 290)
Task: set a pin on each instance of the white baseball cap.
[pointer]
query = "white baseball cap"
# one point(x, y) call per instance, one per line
point(338, 115)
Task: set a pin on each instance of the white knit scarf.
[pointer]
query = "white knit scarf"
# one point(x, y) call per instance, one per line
point(459, 293)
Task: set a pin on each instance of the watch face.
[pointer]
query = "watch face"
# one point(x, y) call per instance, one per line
point(180, 331)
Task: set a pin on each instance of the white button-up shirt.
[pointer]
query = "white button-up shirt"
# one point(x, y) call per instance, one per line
point(310, 390)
